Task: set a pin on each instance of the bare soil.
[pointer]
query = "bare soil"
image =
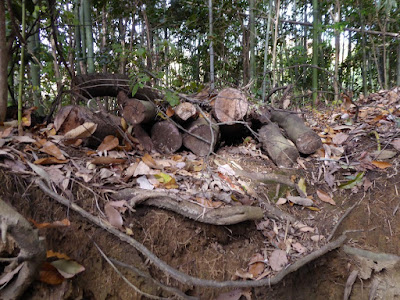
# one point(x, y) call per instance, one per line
point(207, 251)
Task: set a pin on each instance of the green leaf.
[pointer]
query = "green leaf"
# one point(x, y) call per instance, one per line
point(135, 89)
point(172, 98)
point(163, 178)
point(352, 183)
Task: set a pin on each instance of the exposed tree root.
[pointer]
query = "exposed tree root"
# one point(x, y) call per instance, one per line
point(226, 215)
point(180, 276)
point(31, 255)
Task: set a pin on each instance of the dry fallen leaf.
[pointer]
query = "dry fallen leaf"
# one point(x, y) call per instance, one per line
point(325, 197)
point(107, 161)
point(62, 223)
point(299, 248)
point(340, 138)
point(109, 143)
point(83, 131)
point(113, 216)
point(300, 201)
point(278, 260)
point(381, 164)
point(51, 149)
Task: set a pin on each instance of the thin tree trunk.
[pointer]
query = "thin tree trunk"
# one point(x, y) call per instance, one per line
point(364, 58)
point(87, 7)
point(78, 49)
point(83, 58)
point(336, 18)
point(104, 34)
point(277, 10)
point(149, 37)
point(266, 49)
point(315, 51)
point(57, 72)
point(122, 32)
point(210, 20)
point(305, 43)
point(398, 65)
point(252, 42)
point(33, 46)
point(3, 62)
point(378, 70)
point(21, 70)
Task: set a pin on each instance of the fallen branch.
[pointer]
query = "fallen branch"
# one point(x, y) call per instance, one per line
point(180, 276)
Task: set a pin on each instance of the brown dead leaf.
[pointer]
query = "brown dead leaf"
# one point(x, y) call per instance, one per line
point(170, 112)
point(340, 138)
point(83, 131)
point(381, 164)
point(109, 143)
point(256, 265)
point(243, 274)
point(49, 274)
point(6, 132)
point(51, 253)
point(73, 142)
point(278, 260)
point(396, 144)
point(51, 149)
point(107, 161)
point(325, 197)
point(149, 161)
point(55, 224)
point(256, 269)
point(299, 248)
point(113, 216)
point(49, 161)
point(208, 203)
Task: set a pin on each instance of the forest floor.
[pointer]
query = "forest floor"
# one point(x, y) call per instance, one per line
point(348, 179)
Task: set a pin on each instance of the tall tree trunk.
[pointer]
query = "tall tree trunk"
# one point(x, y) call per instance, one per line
point(57, 72)
point(122, 33)
point(305, 38)
point(21, 69)
point(104, 35)
point(252, 42)
point(274, 72)
point(245, 54)
point(398, 65)
point(364, 56)
point(83, 59)
point(210, 20)
point(87, 7)
point(149, 38)
point(78, 49)
point(33, 46)
point(266, 49)
point(378, 69)
point(336, 18)
point(315, 50)
point(3, 62)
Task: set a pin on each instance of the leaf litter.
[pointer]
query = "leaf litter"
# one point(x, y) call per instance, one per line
point(344, 163)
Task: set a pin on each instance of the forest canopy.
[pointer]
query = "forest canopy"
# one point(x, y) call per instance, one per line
point(322, 48)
